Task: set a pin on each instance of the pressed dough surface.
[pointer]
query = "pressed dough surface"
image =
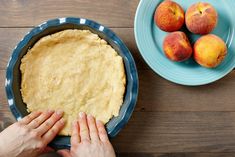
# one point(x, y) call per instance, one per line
point(75, 71)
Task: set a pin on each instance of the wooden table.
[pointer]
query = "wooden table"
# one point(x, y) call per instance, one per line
point(169, 120)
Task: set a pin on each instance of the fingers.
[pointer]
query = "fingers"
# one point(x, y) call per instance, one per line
point(53, 131)
point(75, 136)
point(89, 129)
point(64, 153)
point(84, 132)
point(40, 119)
point(45, 126)
point(92, 128)
point(30, 117)
point(102, 132)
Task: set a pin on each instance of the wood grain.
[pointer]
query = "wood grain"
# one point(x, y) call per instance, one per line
point(25, 13)
point(158, 94)
point(6, 118)
point(169, 120)
point(181, 132)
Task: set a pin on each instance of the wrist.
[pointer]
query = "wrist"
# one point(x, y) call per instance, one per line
point(2, 152)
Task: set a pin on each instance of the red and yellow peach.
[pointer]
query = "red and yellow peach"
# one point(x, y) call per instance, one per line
point(201, 18)
point(169, 16)
point(209, 51)
point(177, 47)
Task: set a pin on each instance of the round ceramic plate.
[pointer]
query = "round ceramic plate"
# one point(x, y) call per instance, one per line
point(149, 39)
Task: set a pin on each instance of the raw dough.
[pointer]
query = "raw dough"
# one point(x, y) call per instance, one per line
point(75, 71)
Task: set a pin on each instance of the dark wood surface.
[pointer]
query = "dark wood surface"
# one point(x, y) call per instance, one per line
point(169, 120)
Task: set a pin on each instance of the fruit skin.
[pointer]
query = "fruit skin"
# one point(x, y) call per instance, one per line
point(169, 16)
point(176, 46)
point(209, 51)
point(201, 18)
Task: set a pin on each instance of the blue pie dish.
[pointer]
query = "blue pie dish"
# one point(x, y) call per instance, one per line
point(13, 74)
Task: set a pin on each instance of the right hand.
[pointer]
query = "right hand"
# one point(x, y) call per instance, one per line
point(89, 138)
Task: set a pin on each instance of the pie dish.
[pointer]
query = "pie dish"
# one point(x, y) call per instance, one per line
point(73, 71)
point(13, 74)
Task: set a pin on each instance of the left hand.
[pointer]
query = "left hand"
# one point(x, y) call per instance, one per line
point(30, 136)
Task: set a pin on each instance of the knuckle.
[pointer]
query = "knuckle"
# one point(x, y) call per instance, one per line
point(35, 121)
point(47, 124)
point(34, 134)
point(27, 118)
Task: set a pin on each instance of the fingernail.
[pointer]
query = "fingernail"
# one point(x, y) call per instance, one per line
point(90, 116)
point(62, 121)
point(81, 114)
point(99, 122)
point(50, 111)
point(59, 112)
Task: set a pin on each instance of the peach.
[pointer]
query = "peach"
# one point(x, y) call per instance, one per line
point(176, 46)
point(209, 51)
point(169, 16)
point(201, 18)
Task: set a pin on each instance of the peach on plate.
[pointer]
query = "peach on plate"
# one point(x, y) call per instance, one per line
point(201, 18)
point(177, 47)
point(209, 51)
point(169, 16)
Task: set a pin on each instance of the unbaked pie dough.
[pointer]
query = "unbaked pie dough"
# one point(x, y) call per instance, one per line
point(75, 71)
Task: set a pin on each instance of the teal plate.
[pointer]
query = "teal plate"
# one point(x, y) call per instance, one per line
point(149, 39)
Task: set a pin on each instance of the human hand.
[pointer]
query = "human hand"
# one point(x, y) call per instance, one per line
point(30, 136)
point(89, 138)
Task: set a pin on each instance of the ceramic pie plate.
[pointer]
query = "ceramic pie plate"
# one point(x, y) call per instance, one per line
point(13, 74)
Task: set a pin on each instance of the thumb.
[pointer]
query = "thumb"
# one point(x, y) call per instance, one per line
point(64, 153)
